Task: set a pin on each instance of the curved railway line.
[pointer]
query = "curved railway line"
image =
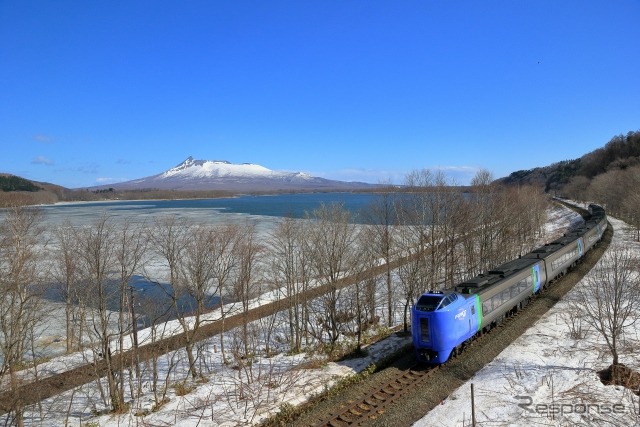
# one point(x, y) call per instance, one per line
point(375, 401)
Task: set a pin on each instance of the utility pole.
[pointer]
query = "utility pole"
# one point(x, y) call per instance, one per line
point(473, 408)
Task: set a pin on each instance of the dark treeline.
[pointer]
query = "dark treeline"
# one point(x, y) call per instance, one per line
point(14, 183)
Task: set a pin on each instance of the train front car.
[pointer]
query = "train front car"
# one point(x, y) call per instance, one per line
point(441, 322)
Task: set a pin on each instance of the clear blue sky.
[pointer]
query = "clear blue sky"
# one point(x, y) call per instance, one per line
point(93, 92)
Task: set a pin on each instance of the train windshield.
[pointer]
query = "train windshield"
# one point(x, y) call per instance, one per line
point(428, 302)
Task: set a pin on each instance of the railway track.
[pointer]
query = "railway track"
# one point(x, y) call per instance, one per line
point(374, 402)
point(378, 403)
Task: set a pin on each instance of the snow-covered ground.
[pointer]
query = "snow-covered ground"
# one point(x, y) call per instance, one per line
point(553, 375)
point(547, 378)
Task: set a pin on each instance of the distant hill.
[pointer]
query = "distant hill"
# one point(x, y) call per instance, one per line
point(551, 177)
point(15, 190)
point(199, 175)
point(621, 153)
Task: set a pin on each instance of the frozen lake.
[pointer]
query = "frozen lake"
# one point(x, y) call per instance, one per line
point(262, 210)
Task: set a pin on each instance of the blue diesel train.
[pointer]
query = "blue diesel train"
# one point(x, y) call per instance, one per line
point(444, 321)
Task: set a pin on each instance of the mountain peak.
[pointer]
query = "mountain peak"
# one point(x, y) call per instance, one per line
point(190, 161)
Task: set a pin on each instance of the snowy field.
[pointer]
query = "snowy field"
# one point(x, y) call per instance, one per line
point(555, 377)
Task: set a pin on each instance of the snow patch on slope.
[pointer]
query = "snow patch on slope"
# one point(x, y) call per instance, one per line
point(191, 168)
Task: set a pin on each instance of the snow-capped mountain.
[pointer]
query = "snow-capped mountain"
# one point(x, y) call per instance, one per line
point(222, 175)
point(191, 168)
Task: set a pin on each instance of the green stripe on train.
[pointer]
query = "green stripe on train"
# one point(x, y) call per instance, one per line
point(479, 310)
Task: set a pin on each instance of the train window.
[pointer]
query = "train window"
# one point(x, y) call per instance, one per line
point(473, 309)
point(506, 295)
point(428, 302)
point(448, 300)
point(515, 290)
point(445, 302)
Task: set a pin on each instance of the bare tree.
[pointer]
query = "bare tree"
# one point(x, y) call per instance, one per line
point(607, 189)
point(489, 213)
point(411, 274)
point(65, 273)
point(381, 217)
point(130, 251)
point(170, 237)
point(156, 315)
point(577, 187)
point(452, 225)
point(332, 245)
point(361, 297)
point(289, 273)
point(610, 299)
point(195, 277)
point(97, 259)
point(420, 214)
point(502, 223)
point(20, 234)
point(224, 240)
point(244, 284)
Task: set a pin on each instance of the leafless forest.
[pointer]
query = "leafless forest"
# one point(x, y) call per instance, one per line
point(445, 235)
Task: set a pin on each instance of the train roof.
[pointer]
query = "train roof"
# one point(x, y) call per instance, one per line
point(509, 268)
point(550, 248)
point(579, 231)
point(484, 281)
